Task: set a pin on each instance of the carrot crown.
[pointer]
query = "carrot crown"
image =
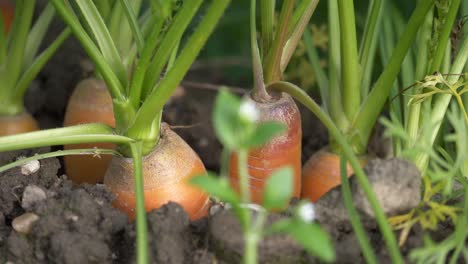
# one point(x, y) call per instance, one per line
point(19, 59)
point(137, 84)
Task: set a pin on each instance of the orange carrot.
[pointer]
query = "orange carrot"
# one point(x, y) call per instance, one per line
point(166, 174)
point(89, 103)
point(8, 10)
point(321, 173)
point(16, 124)
point(283, 150)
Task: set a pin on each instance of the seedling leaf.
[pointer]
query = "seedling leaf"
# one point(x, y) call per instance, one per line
point(263, 133)
point(225, 118)
point(216, 186)
point(278, 189)
point(309, 235)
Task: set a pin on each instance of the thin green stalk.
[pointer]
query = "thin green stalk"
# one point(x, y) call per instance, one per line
point(414, 110)
point(259, 91)
point(31, 72)
point(353, 215)
point(444, 36)
point(296, 34)
point(103, 38)
point(171, 38)
point(373, 104)
point(132, 19)
point(442, 102)
point(17, 43)
point(136, 85)
point(59, 153)
point(127, 38)
point(242, 156)
point(351, 79)
point(334, 69)
point(251, 242)
point(369, 44)
point(347, 151)
point(141, 224)
point(113, 82)
point(267, 14)
point(272, 63)
point(155, 101)
point(87, 133)
point(318, 70)
point(37, 33)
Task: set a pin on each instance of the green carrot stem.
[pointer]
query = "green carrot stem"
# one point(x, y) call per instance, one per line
point(155, 101)
point(444, 36)
point(259, 91)
point(17, 44)
point(442, 102)
point(350, 80)
point(347, 151)
point(113, 82)
point(132, 20)
point(59, 153)
point(88, 133)
point(297, 32)
point(272, 63)
point(369, 44)
point(373, 104)
point(414, 110)
point(171, 38)
point(141, 224)
point(267, 14)
point(319, 73)
point(334, 69)
point(37, 33)
point(34, 68)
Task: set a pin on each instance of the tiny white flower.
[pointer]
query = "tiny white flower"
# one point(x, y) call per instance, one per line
point(306, 212)
point(30, 167)
point(248, 111)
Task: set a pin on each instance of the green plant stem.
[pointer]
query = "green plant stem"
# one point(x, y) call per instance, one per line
point(259, 92)
point(334, 69)
point(3, 42)
point(243, 175)
point(87, 133)
point(155, 101)
point(369, 44)
point(132, 19)
point(267, 12)
point(318, 70)
point(350, 80)
point(89, 151)
point(414, 110)
point(347, 151)
point(170, 40)
point(272, 63)
point(444, 36)
point(36, 34)
point(298, 31)
point(353, 215)
point(373, 104)
point(113, 83)
point(442, 102)
point(16, 43)
point(33, 69)
point(103, 38)
point(141, 224)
